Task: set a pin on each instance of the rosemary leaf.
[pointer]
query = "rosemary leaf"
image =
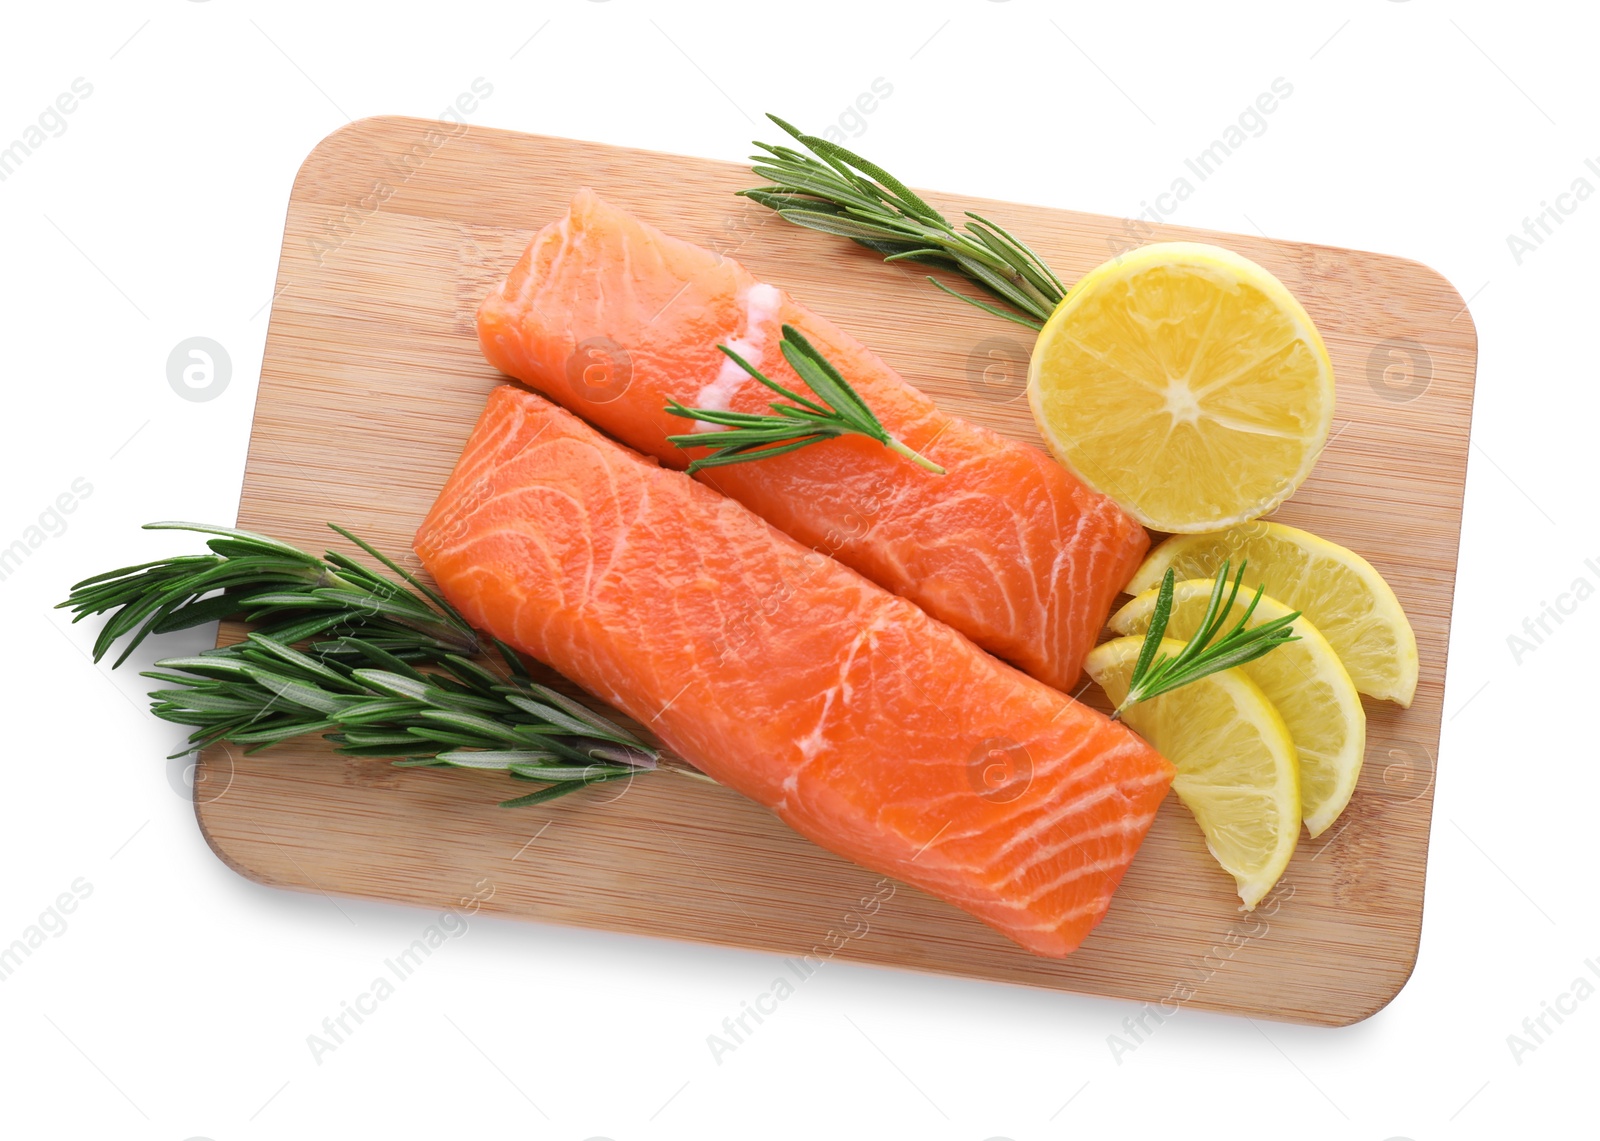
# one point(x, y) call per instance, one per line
point(756, 436)
point(1155, 673)
point(839, 192)
point(393, 680)
point(552, 791)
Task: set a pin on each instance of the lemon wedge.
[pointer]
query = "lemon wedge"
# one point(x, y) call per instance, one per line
point(1237, 770)
point(1186, 383)
point(1345, 598)
point(1304, 680)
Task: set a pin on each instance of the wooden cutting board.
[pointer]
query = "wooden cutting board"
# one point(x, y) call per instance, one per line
point(372, 380)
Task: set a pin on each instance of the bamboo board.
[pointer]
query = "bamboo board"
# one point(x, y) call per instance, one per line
point(372, 380)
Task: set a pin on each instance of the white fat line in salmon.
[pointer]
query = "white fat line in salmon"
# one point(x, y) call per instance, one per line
point(1140, 1027)
point(761, 303)
point(737, 1029)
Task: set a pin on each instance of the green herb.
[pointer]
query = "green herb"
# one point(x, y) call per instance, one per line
point(384, 668)
point(756, 435)
point(1155, 673)
point(839, 192)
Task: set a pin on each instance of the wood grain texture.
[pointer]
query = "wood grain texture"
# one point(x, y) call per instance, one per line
point(372, 380)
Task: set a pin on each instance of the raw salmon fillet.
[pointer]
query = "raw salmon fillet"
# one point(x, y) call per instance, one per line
point(610, 317)
point(866, 725)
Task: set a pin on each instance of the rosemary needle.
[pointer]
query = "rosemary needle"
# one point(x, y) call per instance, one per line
point(757, 435)
point(1155, 673)
point(381, 666)
point(838, 192)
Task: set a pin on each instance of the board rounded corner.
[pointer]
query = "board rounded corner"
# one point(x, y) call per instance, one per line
point(1465, 308)
point(1390, 991)
point(225, 857)
point(1460, 319)
point(356, 130)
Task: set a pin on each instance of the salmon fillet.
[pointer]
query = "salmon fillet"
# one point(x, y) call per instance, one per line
point(611, 317)
point(867, 726)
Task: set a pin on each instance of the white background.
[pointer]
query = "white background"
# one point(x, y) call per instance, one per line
point(178, 1000)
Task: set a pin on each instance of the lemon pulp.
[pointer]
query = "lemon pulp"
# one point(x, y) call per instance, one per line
point(1186, 383)
point(1338, 590)
point(1237, 769)
point(1304, 680)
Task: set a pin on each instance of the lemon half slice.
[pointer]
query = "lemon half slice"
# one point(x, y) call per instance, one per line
point(1345, 598)
point(1186, 383)
point(1303, 679)
point(1237, 770)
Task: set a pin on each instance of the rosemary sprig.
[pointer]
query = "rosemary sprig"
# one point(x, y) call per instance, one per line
point(839, 192)
point(1155, 673)
point(384, 668)
point(756, 435)
point(256, 578)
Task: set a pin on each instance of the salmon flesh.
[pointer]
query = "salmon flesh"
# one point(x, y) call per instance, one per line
point(611, 318)
point(868, 726)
